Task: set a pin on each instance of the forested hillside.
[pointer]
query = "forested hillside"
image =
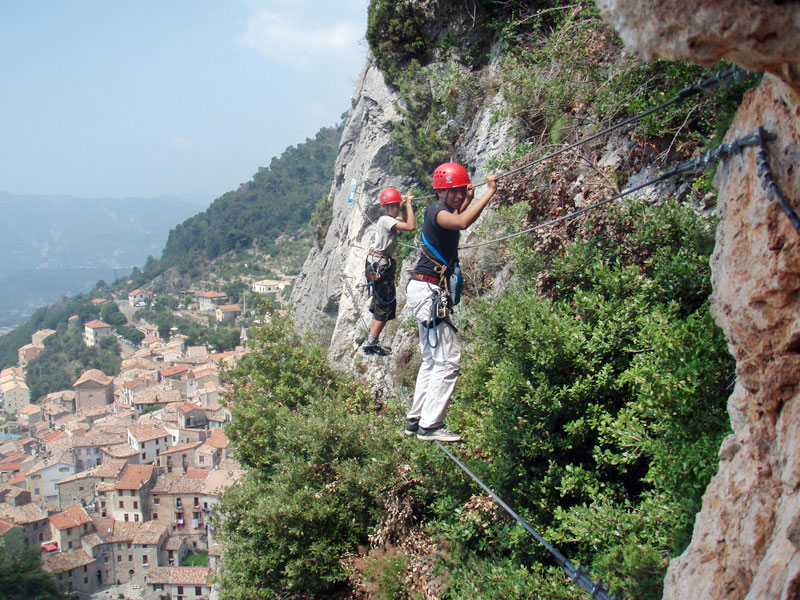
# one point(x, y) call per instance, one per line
point(594, 380)
point(276, 203)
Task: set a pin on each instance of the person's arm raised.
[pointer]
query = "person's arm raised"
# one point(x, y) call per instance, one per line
point(410, 222)
point(469, 215)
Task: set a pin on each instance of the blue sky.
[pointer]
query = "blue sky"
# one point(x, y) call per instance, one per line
point(112, 98)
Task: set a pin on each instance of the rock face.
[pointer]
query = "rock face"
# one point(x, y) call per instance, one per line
point(319, 295)
point(746, 541)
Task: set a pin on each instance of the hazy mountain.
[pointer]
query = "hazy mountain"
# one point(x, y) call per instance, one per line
point(55, 245)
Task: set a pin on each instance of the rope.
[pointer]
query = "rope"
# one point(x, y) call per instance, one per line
point(581, 576)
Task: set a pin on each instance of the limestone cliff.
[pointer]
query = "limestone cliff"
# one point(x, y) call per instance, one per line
point(746, 541)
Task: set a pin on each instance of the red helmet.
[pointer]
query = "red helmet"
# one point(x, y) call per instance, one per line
point(450, 175)
point(390, 196)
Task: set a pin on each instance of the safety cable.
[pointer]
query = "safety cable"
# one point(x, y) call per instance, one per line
point(722, 151)
point(581, 576)
point(768, 182)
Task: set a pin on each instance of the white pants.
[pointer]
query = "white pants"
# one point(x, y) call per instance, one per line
point(441, 358)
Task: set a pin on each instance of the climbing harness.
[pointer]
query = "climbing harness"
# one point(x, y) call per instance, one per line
point(452, 283)
point(376, 270)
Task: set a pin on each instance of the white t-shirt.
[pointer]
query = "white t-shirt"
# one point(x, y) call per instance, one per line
point(385, 235)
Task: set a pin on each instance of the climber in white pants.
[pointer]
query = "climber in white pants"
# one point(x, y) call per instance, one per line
point(441, 361)
point(428, 298)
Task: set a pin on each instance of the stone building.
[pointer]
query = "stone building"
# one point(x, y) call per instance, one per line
point(129, 499)
point(93, 388)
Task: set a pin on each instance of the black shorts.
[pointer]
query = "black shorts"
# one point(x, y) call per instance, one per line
point(380, 275)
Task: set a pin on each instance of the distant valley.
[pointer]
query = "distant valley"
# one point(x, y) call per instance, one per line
point(56, 245)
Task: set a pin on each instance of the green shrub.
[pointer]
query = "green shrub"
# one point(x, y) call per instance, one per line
point(318, 458)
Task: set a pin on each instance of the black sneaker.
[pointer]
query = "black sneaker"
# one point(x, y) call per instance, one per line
point(441, 434)
point(375, 348)
point(412, 426)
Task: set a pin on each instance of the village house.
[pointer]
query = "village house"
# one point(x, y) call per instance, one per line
point(191, 416)
point(64, 398)
point(186, 385)
point(94, 331)
point(124, 452)
point(178, 583)
point(185, 436)
point(176, 548)
point(129, 499)
point(178, 502)
point(68, 526)
point(216, 482)
point(114, 557)
point(208, 301)
point(217, 417)
point(74, 570)
point(149, 440)
point(28, 416)
point(138, 295)
point(27, 353)
point(228, 313)
point(197, 354)
point(178, 459)
point(19, 509)
point(11, 534)
point(154, 397)
point(76, 489)
point(93, 388)
point(80, 488)
point(73, 321)
point(129, 389)
point(15, 396)
point(214, 450)
point(147, 543)
point(38, 337)
point(88, 448)
point(53, 413)
point(42, 477)
point(167, 374)
point(268, 286)
point(16, 463)
point(92, 415)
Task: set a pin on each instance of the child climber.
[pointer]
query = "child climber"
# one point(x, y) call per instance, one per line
point(381, 265)
point(428, 298)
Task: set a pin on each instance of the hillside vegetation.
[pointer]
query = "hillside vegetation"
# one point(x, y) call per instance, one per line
point(271, 212)
point(593, 387)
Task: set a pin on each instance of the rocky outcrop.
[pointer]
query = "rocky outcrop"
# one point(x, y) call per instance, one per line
point(318, 297)
point(746, 541)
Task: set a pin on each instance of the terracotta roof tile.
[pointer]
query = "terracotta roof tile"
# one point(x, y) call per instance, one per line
point(134, 477)
point(179, 575)
point(64, 561)
point(73, 516)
